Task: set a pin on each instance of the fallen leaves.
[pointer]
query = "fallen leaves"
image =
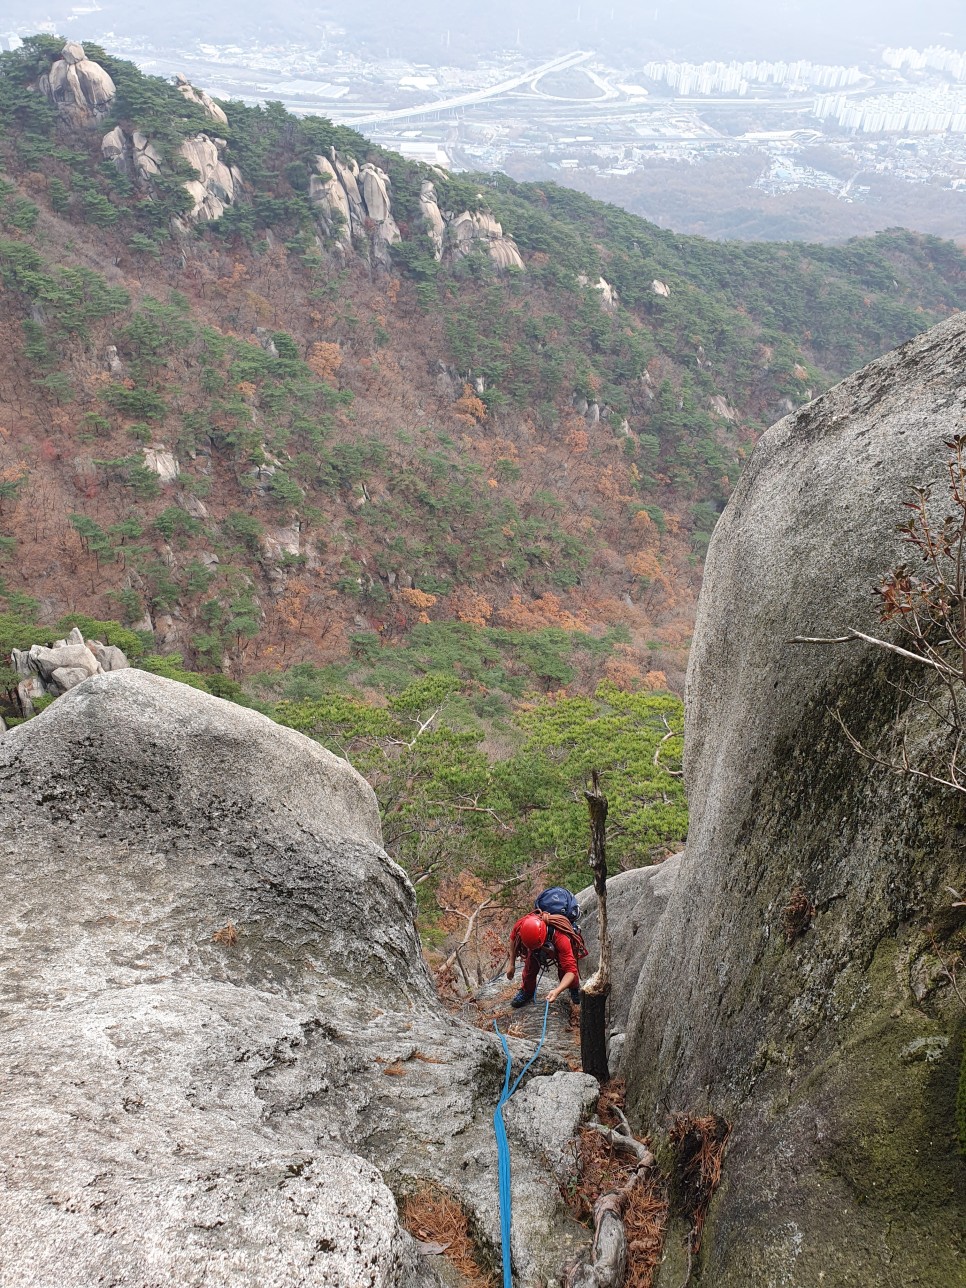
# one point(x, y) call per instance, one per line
point(437, 1221)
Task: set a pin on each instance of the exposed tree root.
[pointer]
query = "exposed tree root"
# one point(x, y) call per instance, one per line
point(617, 1184)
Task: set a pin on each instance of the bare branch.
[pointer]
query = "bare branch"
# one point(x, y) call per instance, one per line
point(471, 919)
point(902, 767)
point(472, 809)
point(854, 635)
point(671, 733)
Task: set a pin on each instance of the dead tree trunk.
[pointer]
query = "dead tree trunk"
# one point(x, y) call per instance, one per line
point(593, 999)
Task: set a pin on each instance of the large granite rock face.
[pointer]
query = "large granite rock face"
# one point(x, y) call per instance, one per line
point(77, 85)
point(355, 203)
point(222, 1053)
point(217, 184)
point(330, 200)
point(835, 1053)
point(432, 216)
point(478, 228)
point(636, 899)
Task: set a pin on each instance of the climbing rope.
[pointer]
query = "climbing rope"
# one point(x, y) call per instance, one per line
point(503, 1145)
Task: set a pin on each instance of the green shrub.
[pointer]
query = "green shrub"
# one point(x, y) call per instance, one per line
point(246, 529)
point(171, 667)
point(175, 522)
point(128, 641)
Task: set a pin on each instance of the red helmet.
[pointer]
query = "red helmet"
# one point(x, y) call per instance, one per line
point(533, 931)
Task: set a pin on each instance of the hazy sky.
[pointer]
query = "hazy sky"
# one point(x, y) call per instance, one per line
point(834, 30)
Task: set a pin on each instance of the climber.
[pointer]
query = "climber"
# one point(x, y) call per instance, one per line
point(541, 938)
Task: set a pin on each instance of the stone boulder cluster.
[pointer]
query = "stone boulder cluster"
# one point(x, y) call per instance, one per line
point(133, 153)
point(218, 184)
point(82, 89)
point(454, 236)
point(354, 204)
point(49, 671)
point(77, 85)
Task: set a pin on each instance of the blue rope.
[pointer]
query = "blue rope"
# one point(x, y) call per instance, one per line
point(503, 1145)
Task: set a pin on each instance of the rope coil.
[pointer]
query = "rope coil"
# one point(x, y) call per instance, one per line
point(503, 1145)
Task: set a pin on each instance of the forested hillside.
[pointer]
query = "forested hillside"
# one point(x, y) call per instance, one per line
point(320, 456)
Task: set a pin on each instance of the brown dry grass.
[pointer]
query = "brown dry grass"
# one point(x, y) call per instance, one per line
point(433, 1216)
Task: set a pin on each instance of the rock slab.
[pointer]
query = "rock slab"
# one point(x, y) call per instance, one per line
point(223, 1057)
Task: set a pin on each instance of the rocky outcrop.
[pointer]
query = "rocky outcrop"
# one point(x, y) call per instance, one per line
point(831, 1040)
point(200, 98)
point(609, 298)
point(77, 85)
point(376, 188)
point(432, 216)
point(133, 153)
point(218, 183)
point(162, 462)
point(457, 235)
point(330, 201)
point(355, 205)
point(466, 232)
point(224, 1058)
point(48, 672)
point(721, 407)
point(661, 288)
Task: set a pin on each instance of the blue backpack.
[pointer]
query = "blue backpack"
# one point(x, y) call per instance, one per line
point(558, 902)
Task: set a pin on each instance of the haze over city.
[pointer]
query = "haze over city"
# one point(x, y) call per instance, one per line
point(751, 119)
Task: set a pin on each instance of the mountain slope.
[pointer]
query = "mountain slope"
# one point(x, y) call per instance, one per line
point(272, 435)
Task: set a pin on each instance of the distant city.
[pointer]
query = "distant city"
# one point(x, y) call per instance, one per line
point(901, 113)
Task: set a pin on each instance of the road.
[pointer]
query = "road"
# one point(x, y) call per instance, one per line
point(476, 96)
